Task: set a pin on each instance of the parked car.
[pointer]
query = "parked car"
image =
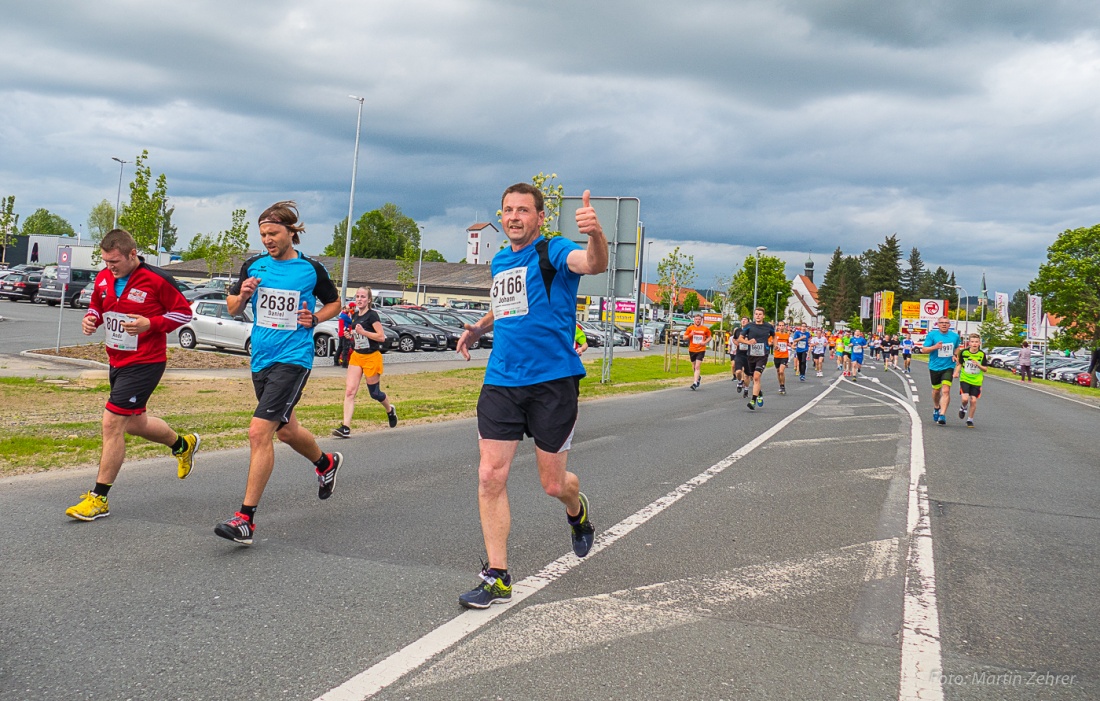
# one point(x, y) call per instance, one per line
point(50, 290)
point(452, 330)
point(1084, 379)
point(326, 338)
point(213, 325)
point(412, 336)
point(19, 286)
point(999, 355)
point(84, 300)
point(461, 318)
point(198, 293)
point(1068, 372)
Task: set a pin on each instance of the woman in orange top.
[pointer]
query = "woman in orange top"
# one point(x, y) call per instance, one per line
point(698, 336)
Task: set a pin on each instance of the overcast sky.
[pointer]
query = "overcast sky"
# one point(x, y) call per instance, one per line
point(969, 129)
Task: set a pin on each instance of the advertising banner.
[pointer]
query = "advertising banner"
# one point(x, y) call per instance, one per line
point(1034, 316)
point(887, 304)
point(864, 307)
point(1002, 305)
point(878, 304)
point(910, 310)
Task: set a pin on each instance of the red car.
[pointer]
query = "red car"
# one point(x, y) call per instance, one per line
point(1084, 379)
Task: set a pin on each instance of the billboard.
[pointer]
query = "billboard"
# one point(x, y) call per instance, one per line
point(1002, 304)
point(910, 310)
point(1034, 316)
point(933, 308)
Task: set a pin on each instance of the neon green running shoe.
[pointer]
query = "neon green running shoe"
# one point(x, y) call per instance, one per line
point(492, 590)
point(91, 507)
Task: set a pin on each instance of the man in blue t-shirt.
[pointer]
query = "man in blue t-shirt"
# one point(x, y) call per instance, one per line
point(856, 347)
point(281, 287)
point(533, 375)
point(801, 341)
point(941, 344)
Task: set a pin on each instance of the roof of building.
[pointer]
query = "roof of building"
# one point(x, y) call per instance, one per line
point(373, 272)
point(810, 287)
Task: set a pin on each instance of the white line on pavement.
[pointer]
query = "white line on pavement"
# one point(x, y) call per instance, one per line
point(376, 678)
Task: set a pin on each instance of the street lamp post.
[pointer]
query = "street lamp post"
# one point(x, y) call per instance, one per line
point(351, 201)
point(118, 196)
point(645, 283)
point(967, 304)
point(418, 269)
point(777, 306)
point(756, 278)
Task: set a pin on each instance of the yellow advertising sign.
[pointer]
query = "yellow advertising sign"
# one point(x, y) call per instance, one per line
point(887, 310)
point(910, 310)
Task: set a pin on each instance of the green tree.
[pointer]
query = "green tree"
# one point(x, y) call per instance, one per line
point(45, 222)
point(433, 256)
point(1069, 283)
point(1017, 305)
point(772, 281)
point(829, 292)
point(884, 269)
point(674, 272)
point(995, 331)
point(170, 235)
point(100, 220)
point(198, 248)
point(143, 215)
point(9, 225)
point(912, 278)
point(691, 302)
point(381, 233)
point(406, 267)
point(937, 285)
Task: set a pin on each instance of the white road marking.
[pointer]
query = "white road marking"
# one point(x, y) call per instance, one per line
point(868, 438)
point(921, 651)
point(541, 630)
point(372, 680)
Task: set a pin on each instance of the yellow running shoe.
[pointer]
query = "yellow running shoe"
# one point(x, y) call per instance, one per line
point(187, 456)
point(91, 507)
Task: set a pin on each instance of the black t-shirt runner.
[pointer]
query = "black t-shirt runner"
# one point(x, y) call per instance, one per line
point(361, 343)
point(739, 345)
point(757, 336)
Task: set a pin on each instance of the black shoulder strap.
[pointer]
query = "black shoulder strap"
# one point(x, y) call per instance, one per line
point(545, 266)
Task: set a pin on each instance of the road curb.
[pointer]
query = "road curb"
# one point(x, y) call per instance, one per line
point(65, 361)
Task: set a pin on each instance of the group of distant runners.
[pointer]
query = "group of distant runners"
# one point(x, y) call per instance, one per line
point(750, 344)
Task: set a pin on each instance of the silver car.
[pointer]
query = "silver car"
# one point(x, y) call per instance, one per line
point(212, 325)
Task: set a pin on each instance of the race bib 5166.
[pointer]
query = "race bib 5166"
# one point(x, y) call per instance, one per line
point(509, 293)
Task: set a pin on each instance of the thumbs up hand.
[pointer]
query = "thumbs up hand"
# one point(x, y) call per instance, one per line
point(587, 221)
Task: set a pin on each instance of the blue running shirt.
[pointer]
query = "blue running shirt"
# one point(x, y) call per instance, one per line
point(533, 333)
point(942, 358)
point(284, 286)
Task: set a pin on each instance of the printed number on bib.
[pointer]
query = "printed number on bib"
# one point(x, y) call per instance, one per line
point(947, 350)
point(509, 293)
point(277, 309)
point(756, 349)
point(697, 339)
point(117, 338)
point(972, 367)
point(781, 346)
point(360, 342)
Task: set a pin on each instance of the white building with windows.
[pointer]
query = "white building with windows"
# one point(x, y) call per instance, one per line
point(482, 241)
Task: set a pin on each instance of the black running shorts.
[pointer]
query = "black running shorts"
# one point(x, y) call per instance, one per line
point(546, 411)
point(740, 360)
point(969, 389)
point(941, 377)
point(131, 387)
point(696, 355)
point(755, 363)
point(278, 389)
point(780, 361)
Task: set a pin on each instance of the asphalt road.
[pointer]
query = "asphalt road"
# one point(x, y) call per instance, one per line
point(771, 554)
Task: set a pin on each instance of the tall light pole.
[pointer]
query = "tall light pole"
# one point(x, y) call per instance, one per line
point(960, 287)
point(118, 197)
point(777, 306)
point(645, 283)
point(756, 278)
point(418, 269)
point(351, 202)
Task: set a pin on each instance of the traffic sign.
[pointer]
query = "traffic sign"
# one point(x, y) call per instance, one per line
point(64, 264)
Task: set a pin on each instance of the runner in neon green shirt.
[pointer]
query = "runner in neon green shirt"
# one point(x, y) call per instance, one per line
point(970, 369)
